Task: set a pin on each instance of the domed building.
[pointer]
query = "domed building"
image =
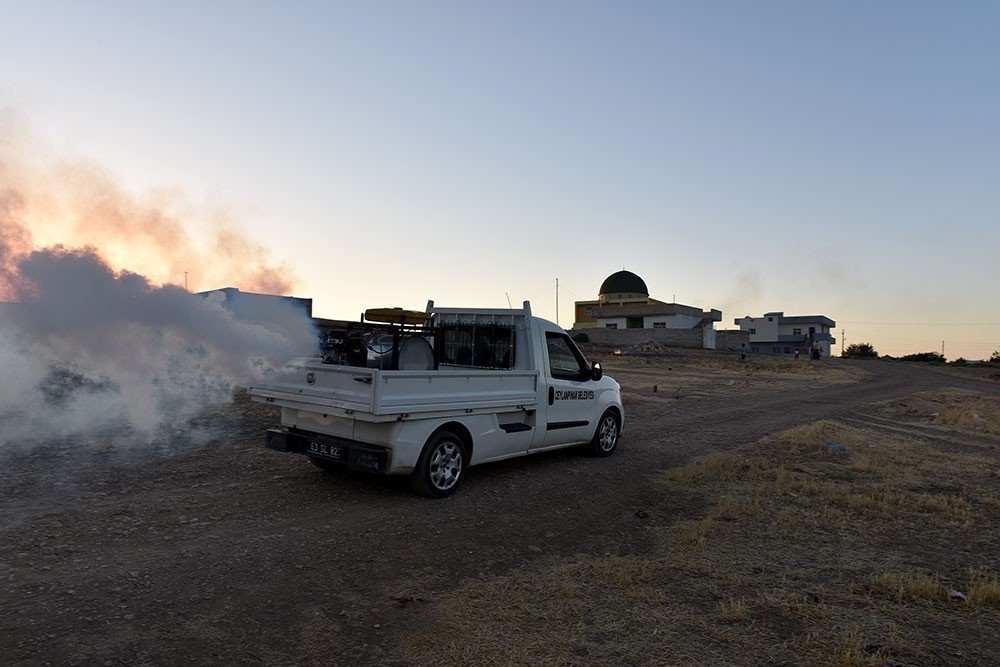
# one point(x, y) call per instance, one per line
point(623, 302)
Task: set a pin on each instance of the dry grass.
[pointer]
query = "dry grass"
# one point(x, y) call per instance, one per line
point(731, 509)
point(693, 374)
point(822, 438)
point(983, 588)
point(693, 533)
point(952, 506)
point(909, 586)
point(990, 501)
point(733, 611)
point(982, 414)
point(861, 655)
point(826, 544)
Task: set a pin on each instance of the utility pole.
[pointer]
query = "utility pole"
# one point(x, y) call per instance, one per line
point(186, 281)
point(557, 301)
point(942, 348)
point(843, 342)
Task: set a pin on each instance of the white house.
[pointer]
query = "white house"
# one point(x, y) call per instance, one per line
point(777, 333)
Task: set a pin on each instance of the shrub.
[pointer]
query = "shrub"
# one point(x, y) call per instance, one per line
point(995, 359)
point(929, 357)
point(861, 351)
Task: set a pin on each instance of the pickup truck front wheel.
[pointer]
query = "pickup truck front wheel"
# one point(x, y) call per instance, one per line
point(440, 467)
point(606, 436)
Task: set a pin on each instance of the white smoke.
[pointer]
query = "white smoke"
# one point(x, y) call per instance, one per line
point(88, 351)
point(89, 347)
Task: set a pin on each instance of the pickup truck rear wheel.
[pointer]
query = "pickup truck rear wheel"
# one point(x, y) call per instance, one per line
point(440, 467)
point(606, 436)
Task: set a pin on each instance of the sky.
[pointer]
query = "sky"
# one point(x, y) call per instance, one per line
point(813, 158)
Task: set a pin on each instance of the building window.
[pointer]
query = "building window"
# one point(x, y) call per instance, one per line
point(755, 349)
point(788, 350)
point(753, 331)
point(611, 325)
point(659, 325)
point(796, 332)
point(770, 319)
point(812, 330)
point(776, 350)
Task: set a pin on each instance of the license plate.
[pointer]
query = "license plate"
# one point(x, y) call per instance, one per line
point(326, 450)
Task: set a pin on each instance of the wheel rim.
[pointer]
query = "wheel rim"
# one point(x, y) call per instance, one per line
point(446, 465)
point(609, 434)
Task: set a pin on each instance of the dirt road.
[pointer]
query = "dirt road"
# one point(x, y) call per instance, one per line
point(230, 554)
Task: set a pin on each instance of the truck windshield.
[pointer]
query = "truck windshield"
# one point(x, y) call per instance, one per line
point(565, 360)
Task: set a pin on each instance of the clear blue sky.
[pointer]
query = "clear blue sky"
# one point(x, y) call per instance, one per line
point(837, 158)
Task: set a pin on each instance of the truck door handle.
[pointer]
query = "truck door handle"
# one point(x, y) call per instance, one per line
point(552, 395)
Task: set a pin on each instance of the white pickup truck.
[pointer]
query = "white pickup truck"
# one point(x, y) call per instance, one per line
point(490, 384)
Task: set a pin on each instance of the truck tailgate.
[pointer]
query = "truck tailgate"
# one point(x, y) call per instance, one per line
point(308, 384)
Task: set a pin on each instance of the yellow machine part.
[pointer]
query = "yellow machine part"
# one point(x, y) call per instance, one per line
point(396, 316)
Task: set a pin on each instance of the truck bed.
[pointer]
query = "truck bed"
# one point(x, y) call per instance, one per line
point(379, 395)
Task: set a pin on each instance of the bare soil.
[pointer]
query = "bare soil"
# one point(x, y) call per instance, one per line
point(112, 553)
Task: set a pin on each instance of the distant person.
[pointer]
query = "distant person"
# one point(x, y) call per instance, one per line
point(743, 351)
point(796, 353)
point(815, 351)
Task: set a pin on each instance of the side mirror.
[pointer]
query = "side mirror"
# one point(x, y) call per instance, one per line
point(596, 372)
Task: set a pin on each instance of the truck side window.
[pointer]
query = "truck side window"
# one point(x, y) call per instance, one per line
point(565, 361)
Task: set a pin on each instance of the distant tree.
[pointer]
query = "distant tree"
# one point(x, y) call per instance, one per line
point(860, 351)
point(581, 337)
point(961, 361)
point(995, 359)
point(928, 357)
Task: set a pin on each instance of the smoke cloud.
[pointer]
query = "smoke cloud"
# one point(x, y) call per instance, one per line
point(89, 346)
point(746, 294)
point(76, 202)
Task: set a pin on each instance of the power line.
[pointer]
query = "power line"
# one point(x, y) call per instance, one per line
point(566, 289)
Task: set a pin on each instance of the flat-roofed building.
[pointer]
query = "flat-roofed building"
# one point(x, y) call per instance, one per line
point(777, 333)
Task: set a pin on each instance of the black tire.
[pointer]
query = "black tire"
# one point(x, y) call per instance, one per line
point(441, 466)
point(326, 466)
point(606, 435)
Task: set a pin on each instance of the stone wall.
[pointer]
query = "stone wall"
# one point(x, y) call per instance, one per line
point(625, 337)
point(646, 309)
point(730, 339)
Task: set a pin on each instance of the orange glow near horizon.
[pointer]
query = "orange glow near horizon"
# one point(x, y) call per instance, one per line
point(159, 235)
